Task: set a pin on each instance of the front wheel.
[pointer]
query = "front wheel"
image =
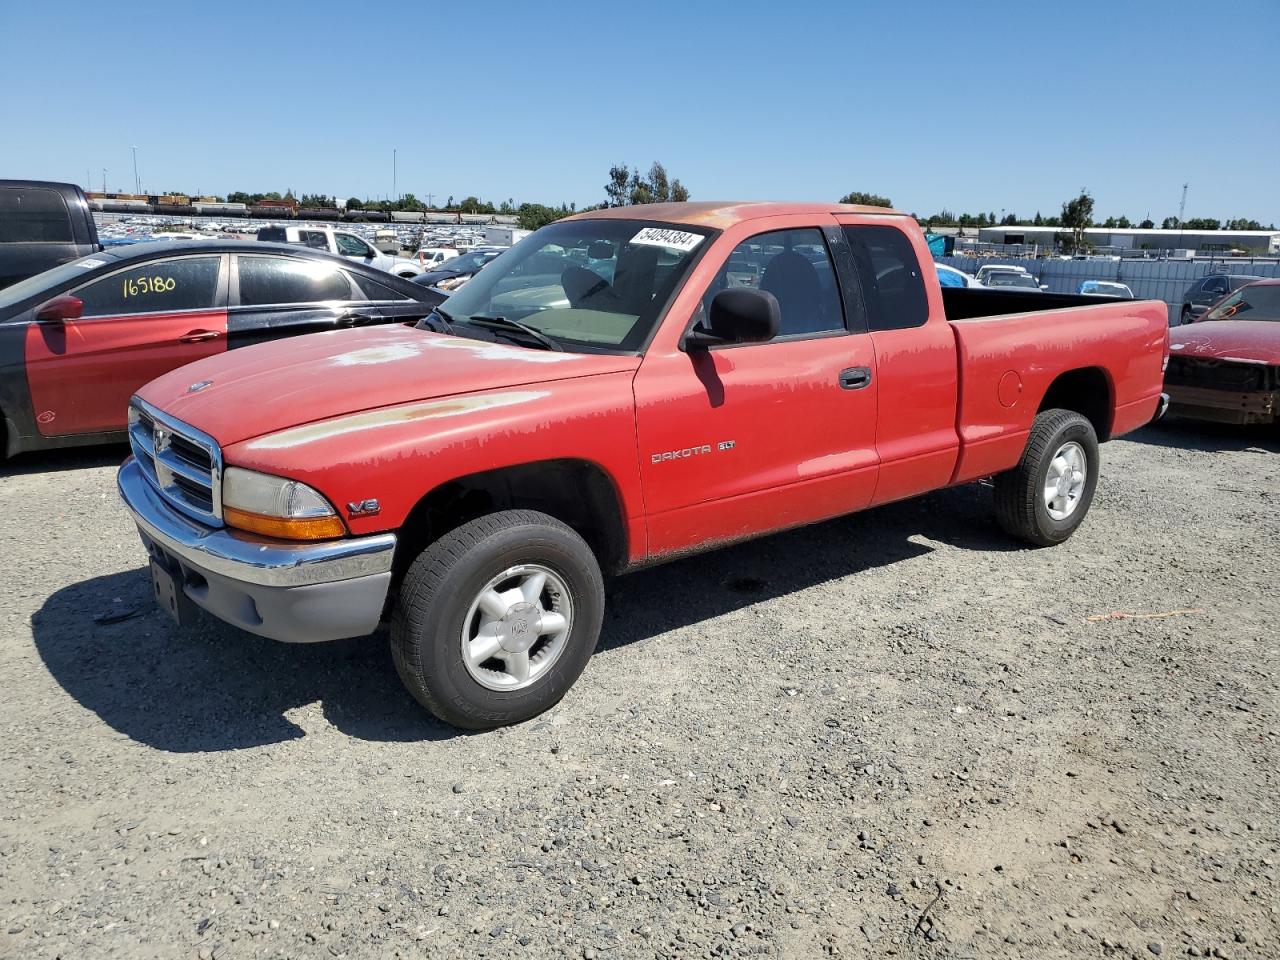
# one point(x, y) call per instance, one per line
point(497, 619)
point(1046, 496)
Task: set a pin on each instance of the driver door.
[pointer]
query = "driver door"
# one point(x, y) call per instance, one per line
point(738, 440)
point(136, 324)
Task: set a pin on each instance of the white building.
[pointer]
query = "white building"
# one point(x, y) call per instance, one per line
point(1257, 242)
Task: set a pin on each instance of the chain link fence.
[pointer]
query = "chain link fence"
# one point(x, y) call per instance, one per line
point(1165, 280)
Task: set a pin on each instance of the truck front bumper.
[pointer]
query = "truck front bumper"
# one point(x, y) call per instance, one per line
point(294, 592)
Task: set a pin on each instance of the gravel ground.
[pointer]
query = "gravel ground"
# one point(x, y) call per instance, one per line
point(894, 734)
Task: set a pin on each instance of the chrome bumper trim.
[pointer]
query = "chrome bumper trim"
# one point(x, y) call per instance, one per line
point(239, 556)
point(1162, 407)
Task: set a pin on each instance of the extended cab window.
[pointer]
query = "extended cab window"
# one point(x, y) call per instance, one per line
point(889, 273)
point(161, 286)
point(315, 239)
point(795, 267)
point(269, 280)
point(33, 215)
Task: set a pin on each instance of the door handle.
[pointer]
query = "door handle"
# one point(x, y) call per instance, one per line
point(855, 378)
point(199, 336)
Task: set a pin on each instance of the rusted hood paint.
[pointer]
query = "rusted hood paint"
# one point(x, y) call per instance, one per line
point(1253, 340)
point(290, 383)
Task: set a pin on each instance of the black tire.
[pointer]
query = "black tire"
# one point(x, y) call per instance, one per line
point(437, 592)
point(1019, 493)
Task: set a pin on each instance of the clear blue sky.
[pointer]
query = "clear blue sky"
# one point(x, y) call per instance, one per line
point(972, 106)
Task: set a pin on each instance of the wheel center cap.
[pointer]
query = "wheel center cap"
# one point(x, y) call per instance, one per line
point(520, 627)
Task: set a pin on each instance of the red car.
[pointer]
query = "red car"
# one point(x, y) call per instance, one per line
point(1225, 366)
point(77, 341)
point(603, 396)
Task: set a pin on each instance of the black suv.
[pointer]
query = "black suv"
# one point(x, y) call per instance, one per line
point(42, 224)
point(1207, 291)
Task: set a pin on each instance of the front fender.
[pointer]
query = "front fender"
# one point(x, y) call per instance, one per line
point(397, 454)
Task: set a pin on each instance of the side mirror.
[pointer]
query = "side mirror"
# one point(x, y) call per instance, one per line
point(600, 250)
point(738, 315)
point(65, 307)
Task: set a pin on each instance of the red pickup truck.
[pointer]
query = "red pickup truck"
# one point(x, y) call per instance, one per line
point(623, 387)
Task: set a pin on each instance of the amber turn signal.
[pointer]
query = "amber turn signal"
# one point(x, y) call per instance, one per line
point(307, 528)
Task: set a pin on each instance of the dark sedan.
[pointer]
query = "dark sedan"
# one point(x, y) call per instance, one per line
point(77, 341)
point(1207, 291)
point(456, 271)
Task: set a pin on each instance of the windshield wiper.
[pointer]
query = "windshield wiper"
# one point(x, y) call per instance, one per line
point(503, 323)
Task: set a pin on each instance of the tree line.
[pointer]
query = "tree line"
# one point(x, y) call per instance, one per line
point(628, 186)
point(1077, 214)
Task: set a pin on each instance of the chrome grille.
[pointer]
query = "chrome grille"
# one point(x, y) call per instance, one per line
point(184, 464)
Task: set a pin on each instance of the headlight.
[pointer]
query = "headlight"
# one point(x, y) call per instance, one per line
point(453, 283)
point(277, 507)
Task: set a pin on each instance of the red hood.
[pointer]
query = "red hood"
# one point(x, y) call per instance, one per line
point(287, 383)
point(1257, 340)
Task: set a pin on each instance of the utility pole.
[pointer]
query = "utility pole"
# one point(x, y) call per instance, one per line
point(394, 189)
point(1182, 209)
point(431, 201)
point(137, 184)
point(104, 179)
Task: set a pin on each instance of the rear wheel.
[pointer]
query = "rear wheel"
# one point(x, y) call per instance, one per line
point(497, 619)
point(1047, 495)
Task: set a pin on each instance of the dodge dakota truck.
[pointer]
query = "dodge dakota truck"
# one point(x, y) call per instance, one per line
point(663, 380)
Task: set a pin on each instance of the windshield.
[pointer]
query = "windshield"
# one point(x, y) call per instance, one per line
point(590, 283)
point(1260, 302)
point(33, 286)
point(1012, 280)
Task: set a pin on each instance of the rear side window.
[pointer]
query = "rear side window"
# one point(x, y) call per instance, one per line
point(889, 273)
point(379, 291)
point(273, 234)
point(268, 280)
point(33, 215)
point(313, 239)
point(158, 287)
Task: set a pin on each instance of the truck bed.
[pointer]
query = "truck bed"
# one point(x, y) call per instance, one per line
point(1012, 348)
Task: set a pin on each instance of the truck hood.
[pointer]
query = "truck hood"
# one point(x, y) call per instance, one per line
point(287, 383)
point(1255, 340)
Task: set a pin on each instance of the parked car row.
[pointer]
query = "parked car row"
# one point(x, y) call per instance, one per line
point(342, 244)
